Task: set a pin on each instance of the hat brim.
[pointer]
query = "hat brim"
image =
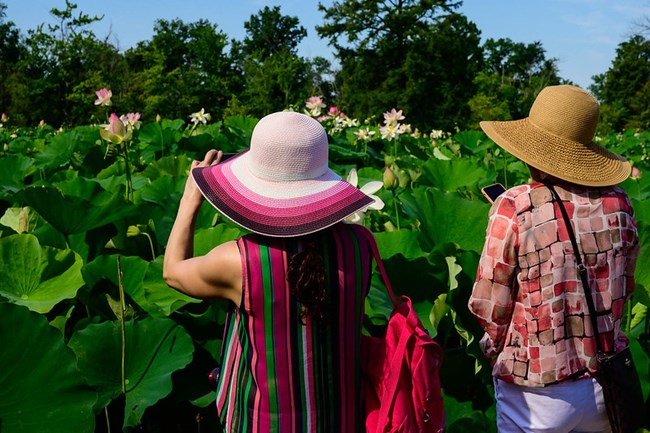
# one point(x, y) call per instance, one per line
point(582, 164)
point(279, 209)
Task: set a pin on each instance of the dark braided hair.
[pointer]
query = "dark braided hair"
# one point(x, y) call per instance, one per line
point(306, 278)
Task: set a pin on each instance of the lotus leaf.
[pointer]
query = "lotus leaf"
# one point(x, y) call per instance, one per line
point(35, 276)
point(13, 171)
point(163, 191)
point(452, 175)
point(142, 281)
point(168, 166)
point(77, 205)
point(41, 388)
point(154, 349)
point(403, 242)
point(642, 273)
point(61, 150)
point(161, 135)
point(447, 217)
point(206, 239)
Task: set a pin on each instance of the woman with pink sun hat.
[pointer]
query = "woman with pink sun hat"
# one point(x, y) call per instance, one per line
point(296, 284)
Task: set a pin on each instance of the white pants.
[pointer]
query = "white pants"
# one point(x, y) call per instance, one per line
point(570, 406)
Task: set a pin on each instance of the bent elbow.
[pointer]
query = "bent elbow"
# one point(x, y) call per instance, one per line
point(168, 276)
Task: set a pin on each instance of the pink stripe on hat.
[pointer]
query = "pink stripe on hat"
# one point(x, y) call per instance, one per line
point(282, 186)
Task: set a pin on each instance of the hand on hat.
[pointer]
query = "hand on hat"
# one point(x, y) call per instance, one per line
point(192, 196)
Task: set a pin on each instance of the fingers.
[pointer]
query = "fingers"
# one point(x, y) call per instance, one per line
point(211, 157)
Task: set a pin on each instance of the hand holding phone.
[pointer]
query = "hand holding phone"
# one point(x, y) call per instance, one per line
point(491, 192)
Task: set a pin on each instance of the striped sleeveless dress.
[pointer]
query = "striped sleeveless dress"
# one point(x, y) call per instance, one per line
point(281, 372)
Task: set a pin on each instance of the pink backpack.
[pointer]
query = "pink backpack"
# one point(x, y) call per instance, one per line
point(401, 372)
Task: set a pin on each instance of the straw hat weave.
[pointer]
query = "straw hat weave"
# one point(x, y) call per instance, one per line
point(557, 138)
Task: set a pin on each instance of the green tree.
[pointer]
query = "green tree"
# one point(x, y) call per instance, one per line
point(62, 67)
point(11, 51)
point(276, 77)
point(418, 56)
point(624, 90)
point(512, 76)
point(185, 67)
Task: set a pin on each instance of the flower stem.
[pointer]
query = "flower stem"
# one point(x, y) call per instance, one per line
point(122, 321)
point(129, 181)
point(396, 209)
point(153, 253)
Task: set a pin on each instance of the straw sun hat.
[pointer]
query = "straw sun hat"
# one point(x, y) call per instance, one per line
point(556, 138)
point(282, 186)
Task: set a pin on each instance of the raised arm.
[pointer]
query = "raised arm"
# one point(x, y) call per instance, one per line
point(214, 275)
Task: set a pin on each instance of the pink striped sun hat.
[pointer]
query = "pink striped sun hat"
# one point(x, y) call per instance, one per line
point(281, 186)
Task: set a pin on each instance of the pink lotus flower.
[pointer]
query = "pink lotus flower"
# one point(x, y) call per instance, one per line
point(115, 132)
point(3, 118)
point(314, 104)
point(636, 173)
point(131, 120)
point(104, 97)
point(393, 117)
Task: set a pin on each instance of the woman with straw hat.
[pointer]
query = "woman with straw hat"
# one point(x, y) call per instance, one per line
point(528, 295)
point(297, 282)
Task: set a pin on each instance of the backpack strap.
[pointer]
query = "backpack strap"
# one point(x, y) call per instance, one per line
point(398, 356)
point(380, 264)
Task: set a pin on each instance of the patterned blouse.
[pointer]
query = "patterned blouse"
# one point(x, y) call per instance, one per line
point(282, 372)
point(528, 295)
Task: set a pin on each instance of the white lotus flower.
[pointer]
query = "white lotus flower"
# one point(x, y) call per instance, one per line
point(368, 189)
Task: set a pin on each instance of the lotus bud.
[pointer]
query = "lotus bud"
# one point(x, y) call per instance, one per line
point(390, 180)
point(132, 231)
point(636, 173)
point(115, 131)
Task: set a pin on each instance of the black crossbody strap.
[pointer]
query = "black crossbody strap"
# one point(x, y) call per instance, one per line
point(582, 271)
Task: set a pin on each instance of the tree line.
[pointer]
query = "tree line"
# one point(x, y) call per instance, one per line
point(422, 57)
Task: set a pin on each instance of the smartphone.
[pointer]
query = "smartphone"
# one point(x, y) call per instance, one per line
point(491, 192)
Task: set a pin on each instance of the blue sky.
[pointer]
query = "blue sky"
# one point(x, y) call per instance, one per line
point(581, 34)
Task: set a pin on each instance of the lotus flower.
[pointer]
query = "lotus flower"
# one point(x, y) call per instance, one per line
point(393, 117)
point(200, 117)
point(115, 132)
point(314, 104)
point(131, 120)
point(368, 189)
point(104, 97)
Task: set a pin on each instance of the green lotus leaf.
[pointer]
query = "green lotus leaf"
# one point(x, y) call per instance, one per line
point(163, 190)
point(447, 218)
point(154, 349)
point(67, 146)
point(142, 281)
point(403, 242)
point(453, 174)
point(13, 170)
point(41, 388)
point(206, 239)
point(36, 276)
point(168, 166)
point(642, 272)
point(161, 135)
point(77, 205)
